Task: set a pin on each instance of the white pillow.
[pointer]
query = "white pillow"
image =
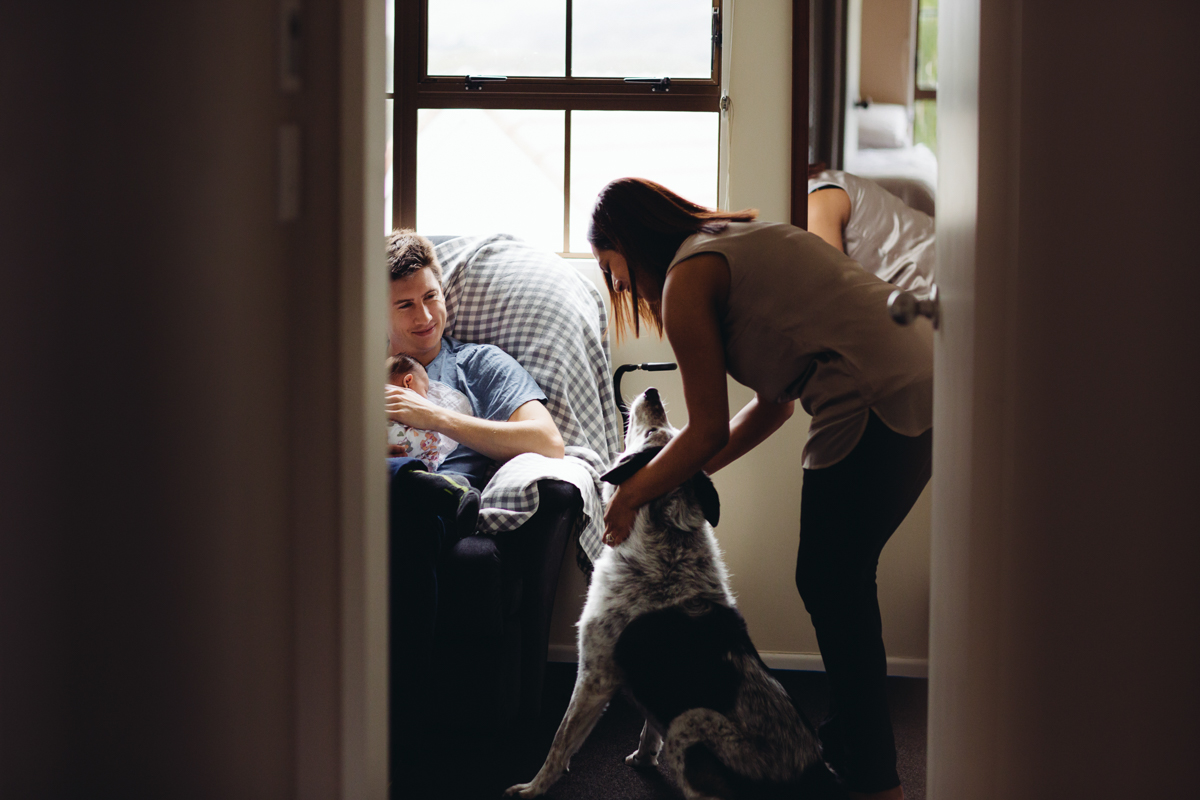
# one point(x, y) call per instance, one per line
point(883, 125)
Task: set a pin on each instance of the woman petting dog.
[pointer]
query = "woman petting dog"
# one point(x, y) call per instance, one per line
point(794, 318)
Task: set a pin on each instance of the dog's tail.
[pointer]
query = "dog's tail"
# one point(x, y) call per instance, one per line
point(714, 758)
point(708, 775)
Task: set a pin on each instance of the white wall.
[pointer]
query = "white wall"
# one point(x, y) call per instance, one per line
point(760, 494)
point(888, 51)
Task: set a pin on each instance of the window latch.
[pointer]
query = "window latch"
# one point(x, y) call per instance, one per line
point(476, 82)
point(656, 84)
point(716, 27)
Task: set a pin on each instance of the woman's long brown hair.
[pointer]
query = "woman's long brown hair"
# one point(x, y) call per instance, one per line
point(646, 223)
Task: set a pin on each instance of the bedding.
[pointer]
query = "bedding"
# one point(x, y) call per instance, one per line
point(910, 173)
point(883, 125)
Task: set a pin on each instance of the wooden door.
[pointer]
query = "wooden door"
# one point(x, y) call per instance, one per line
point(1064, 599)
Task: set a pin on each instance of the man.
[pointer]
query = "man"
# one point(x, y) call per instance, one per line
point(429, 512)
point(511, 418)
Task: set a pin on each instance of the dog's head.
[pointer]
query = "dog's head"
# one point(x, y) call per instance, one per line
point(648, 433)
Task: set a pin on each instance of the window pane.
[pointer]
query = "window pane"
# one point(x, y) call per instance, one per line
point(634, 38)
point(927, 40)
point(488, 37)
point(491, 171)
point(389, 28)
point(925, 124)
point(675, 148)
point(388, 172)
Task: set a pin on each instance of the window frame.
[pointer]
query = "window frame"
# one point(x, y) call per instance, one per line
point(414, 90)
point(918, 92)
point(921, 95)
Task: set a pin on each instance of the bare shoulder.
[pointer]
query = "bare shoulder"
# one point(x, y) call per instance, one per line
point(831, 201)
point(694, 299)
point(828, 213)
point(702, 278)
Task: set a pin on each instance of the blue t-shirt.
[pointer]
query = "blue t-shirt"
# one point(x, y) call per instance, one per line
point(495, 384)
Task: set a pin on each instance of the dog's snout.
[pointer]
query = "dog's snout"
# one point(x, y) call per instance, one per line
point(646, 413)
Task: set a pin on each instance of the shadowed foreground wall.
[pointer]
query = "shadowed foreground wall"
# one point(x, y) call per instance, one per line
point(1064, 599)
point(168, 405)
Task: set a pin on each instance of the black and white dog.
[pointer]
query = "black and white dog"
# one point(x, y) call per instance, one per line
point(661, 622)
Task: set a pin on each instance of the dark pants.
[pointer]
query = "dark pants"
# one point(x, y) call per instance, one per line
point(848, 512)
point(419, 540)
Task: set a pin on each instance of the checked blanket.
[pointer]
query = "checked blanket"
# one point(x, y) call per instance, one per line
point(537, 308)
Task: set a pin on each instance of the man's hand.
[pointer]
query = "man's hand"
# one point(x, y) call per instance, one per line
point(409, 408)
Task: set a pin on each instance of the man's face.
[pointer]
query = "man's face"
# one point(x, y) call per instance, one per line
point(418, 316)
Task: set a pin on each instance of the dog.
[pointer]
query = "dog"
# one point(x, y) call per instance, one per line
point(661, 622)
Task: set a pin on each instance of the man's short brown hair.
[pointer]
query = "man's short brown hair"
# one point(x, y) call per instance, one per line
point(408, 252)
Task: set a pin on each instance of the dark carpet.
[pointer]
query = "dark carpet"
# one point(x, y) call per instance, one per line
point(481, 767)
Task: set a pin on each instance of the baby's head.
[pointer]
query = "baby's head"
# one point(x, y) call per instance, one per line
point(407, 372)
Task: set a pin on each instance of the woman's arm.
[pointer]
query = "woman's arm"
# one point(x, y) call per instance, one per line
point(757, 420)
point(693, 299)
point(530, 429)
point(828, 213)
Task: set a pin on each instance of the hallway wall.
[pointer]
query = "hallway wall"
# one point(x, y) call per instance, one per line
point(170, 500)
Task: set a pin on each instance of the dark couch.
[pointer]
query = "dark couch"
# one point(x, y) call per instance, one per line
point(494, 622)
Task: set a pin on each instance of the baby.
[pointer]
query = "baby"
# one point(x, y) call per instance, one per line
point(450, 496)
point(430, 447)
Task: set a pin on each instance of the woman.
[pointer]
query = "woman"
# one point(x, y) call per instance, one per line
point(873, 227)
point(791, 317)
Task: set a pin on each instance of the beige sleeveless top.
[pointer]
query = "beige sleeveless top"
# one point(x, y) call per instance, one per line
point(805, 322)
point(883, 234)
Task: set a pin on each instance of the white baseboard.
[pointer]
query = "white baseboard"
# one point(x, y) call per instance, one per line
point(899, 667)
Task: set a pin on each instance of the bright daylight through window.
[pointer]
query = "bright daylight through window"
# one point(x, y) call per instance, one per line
point(509, 117)
point(925, 123)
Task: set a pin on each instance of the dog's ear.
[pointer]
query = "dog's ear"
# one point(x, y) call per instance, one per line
point(706, 495)
point(630, 464)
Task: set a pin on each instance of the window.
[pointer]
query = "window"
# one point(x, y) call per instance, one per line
point(510, 116)
point(925, 75)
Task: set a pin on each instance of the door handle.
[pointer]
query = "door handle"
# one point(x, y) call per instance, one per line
point(905, 307)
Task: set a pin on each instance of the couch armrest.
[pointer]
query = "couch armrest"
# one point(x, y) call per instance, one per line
point(542, 541)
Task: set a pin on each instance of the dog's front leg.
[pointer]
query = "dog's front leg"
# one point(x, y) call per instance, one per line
point(588, 701)
point(649, 745)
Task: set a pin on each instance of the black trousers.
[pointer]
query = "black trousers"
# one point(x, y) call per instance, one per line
point(848, 512)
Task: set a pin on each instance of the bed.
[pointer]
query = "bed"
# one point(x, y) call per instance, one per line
point(885, 154)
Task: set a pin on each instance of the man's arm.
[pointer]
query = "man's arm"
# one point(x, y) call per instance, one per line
point(529, 429)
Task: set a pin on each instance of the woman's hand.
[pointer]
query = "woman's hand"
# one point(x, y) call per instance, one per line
point(618, 520)
point(409, 408)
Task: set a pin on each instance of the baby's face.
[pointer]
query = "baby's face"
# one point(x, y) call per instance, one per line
point(410, 380)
